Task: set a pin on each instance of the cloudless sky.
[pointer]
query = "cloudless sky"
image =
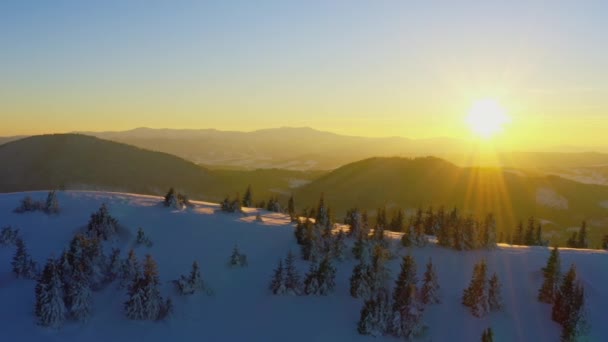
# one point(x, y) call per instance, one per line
point(373, 68)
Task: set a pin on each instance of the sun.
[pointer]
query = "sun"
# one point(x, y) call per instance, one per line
point(486, 118)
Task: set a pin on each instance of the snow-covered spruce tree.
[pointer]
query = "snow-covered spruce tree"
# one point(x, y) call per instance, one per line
point(326, 277)
point(188, 285)
point(130, 270)
point(488, 234)
point(495, 302)
point(8, 236)
point(487, 335)
point(102, 225)
point(114, 269)
point(551, 275)
point(78, 295)
point(52, 203)
point(375, 315)
point(354, 221)
point(379, 274)
point(311, 280)
point(142, 239)
point(23, 264)
point(237, 259)
point(292, 278)
point(184, 201)
point(582, 236)
point(430, 287)
point(569, 307)
point(406, 321)
point(28, 205)
point(50, 309)
point(475, 296)
point(429, 221)
point(397, 221)
point(145, 301)
point(360, 282)
point(170, 198)
point(338, 249)
point(362, 247)
point(277, 283)
point(248, 197)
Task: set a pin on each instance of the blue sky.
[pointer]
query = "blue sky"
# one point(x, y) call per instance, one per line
point(409, 68)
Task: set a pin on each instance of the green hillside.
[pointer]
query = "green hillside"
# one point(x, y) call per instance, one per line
point(413, 183)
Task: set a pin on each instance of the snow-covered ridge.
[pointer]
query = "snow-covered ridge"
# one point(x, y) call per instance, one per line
point(242, 309)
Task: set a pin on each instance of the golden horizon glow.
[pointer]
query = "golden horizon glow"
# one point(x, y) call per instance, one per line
point(486, 118)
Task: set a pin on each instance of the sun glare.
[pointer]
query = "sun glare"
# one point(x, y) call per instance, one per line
point(486, 118)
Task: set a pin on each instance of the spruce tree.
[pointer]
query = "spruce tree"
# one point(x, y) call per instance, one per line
point(530, 236)
point(237, 259)
point(582, 236)
point(518, 239)
point(50, 309)
point(326, 276)
point(78, 297)
point(130, 270)
point(292, 278)
point(153, 301)
point(169, 197)
point(605, 242)
point(539, 235)
point(375, 315)
point(551, 275)
point(248, 197)
point(487, 336)
point(338, 248)
point(114, 269)
point(52, 203)
point(360, 281)
point(102, 225)
point(277, 284)
point(188, 285)
point(8, 236)
point(569, 307)
point(475, 297)
point(311, 281)
point(430, 287)
point(407, 309)
point(23, 264)
point(495, 302)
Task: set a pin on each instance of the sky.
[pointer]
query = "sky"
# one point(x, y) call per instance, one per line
point(370, 68)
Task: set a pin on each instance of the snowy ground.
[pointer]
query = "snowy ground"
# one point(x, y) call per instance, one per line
point(242, 308)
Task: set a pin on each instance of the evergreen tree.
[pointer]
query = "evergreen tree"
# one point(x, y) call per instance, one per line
point(339, 246)
point(23, 264)
point(311, 281)
point(582, 236)
point(361, 248)
point(114, 270)
point(397, 224)
point(605, 242)
point(326, 277)
point(539, 235)
point(569, 307)
point(292, 278)
point(142, 239)
point(169, 198)
point(188, 285)
point(430, 287)
point(248, 198)
point(572, 241)
point(551, 275)
point(52, 204)
point(237, 259)
point(475, 296)
point(518, 239)
point(494, 294)
point(354, 220)
point(489, 232)
point(130, 271)
point(360, 281)
point(322, 218)
point(102, 225)
point(50, 309)
point(429, 222)
point(277, 284)
point(487, 336)
point(530, 237)
point(8, 236)
point(145, 301)
point(375, 315)
point(78, 295)
point(379, 274)
point(407, 308)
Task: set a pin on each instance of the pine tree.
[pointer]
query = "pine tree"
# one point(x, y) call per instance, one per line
point(130, 271)
point(530, 237)
point(114, 269)
point(188, 285)
point(551, 274)
point(569, 307)
point(102, 225)
point(407, 308)
point(322, 218)
point(248, 198)
point(52, 204)
point(339, 246)
point(487, 336)
point(326, 277)
point(23, 264)
point(360, 249)
point(539, 235)
point(360, 281)
point(475, 296)
point(169, 198)
point(50, 309)
point(237, 259)
point(375, 315)
point(153, 301)
point(277, 284)
point(494, 294)
point(518, 239)
point(8, 236)
point(311, 281)
point(142, 239)
point(430, 287)
point(396, 224)
point(489, 232)
point(429, 222)
point(292, 278)
point(78, 297)
point(378, 275)
point(582, 236)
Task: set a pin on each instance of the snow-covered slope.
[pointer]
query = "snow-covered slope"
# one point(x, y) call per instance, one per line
point(241, 308)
